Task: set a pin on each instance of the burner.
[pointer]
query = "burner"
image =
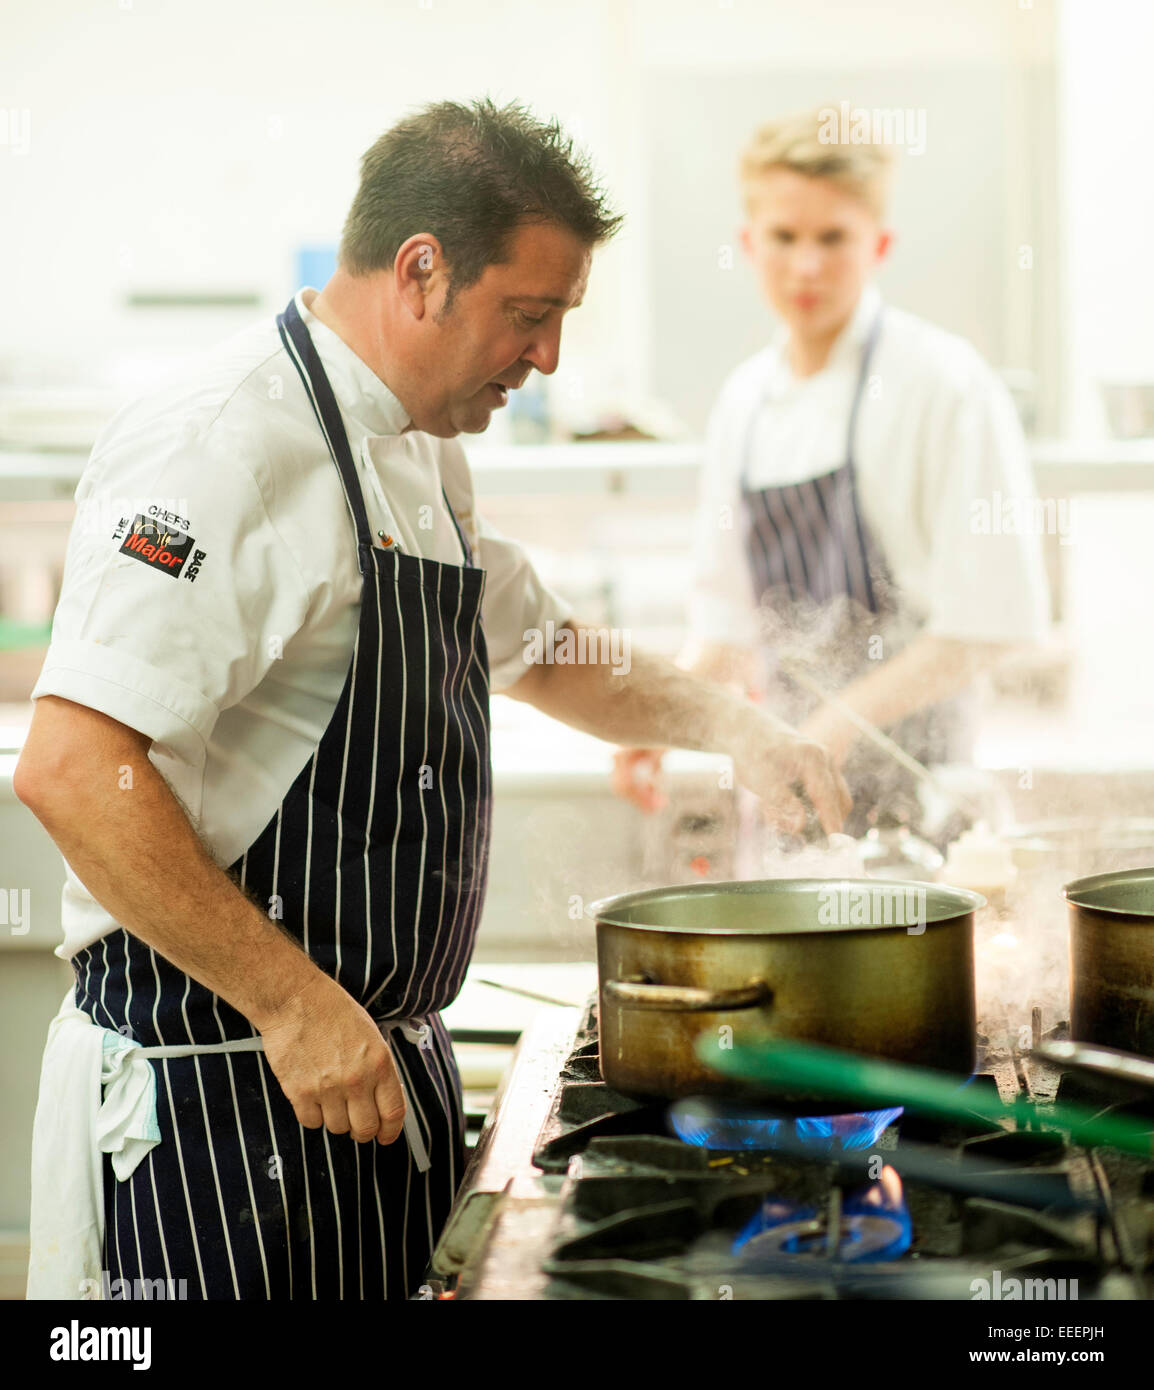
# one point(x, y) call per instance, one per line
point(649, 1200)
point(872, 1223)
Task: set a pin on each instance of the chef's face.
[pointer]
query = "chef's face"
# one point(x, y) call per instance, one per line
point(498, 329)
point(813, 247)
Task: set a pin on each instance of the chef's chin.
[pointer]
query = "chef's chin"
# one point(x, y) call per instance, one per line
point(474, 418)
point(464, 419)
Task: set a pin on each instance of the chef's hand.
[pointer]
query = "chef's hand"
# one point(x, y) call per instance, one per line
point(773, 760)
point(333, 1064)
point(635, 774)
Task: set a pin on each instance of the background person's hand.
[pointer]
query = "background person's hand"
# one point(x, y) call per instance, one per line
point(836, 734)
point(635, 777)
point(333, 1064)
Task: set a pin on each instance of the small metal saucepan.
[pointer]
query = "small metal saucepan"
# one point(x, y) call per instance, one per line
point(1112, 960)
point(879, 967)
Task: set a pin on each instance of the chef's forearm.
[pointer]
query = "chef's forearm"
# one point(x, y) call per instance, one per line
point(723, 663)
point(928, 670)
point(134, 850)
point(652, 703)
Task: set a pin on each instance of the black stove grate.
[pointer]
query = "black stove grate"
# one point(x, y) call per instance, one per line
point(645, 1215)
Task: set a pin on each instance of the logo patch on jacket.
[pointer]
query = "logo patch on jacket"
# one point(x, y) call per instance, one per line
point(157, 544)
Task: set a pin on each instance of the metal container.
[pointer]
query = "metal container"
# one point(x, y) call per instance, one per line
point(1112, 960)
point(878, 966)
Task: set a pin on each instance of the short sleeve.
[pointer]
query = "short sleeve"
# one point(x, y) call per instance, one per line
point(178, 593)
point(987, 578)
point(517, 603)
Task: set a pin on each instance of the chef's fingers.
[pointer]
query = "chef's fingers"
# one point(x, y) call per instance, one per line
point(309, 1114)
point(634, 775)
point(785, 813)
point(390, 1109)
point(336, 1112)
point(364, 1120)
point(825, 787)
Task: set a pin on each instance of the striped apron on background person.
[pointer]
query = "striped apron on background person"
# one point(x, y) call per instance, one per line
point(807, 541)
point(819, 576)
point(376, 861)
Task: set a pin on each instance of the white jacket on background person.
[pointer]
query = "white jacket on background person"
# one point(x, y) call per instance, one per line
point(940, 459)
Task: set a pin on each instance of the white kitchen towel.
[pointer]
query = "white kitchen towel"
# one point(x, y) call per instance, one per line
point(98, 1096)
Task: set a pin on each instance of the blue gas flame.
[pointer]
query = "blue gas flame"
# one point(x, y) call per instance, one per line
point(875, 1226)
point(731, 1128)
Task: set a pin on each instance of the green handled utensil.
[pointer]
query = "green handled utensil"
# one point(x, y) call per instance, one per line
point(876, 1085)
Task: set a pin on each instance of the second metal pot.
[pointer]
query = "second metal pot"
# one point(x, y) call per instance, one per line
point(1112, 960)
point(841, 962)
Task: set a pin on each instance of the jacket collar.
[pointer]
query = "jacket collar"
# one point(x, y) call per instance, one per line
point(848, 343)
point(362, 396)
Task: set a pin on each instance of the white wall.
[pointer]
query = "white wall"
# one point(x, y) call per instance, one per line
point(1106, 98)
point(194, 143)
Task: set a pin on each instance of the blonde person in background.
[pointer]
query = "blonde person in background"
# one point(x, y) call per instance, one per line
point(844, 466)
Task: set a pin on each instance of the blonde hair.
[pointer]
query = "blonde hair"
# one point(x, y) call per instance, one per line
point(795, 142)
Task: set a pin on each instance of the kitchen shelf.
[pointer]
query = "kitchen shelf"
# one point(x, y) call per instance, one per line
point(640, 469)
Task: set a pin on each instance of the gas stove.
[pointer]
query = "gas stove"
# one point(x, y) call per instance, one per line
point(577, 1192)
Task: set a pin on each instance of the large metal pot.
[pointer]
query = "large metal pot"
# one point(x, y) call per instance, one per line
point(1112, 959)
point(881, 967)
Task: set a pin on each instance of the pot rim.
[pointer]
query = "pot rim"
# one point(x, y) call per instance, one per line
point(951, 903)
point(1081, 892)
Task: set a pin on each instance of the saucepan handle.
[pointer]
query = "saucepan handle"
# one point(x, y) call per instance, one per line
point(641, 994)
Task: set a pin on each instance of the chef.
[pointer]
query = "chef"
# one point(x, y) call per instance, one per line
point(839, 537)
point(261, 742)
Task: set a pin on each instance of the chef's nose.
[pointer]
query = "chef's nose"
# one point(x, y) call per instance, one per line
point(544, 352)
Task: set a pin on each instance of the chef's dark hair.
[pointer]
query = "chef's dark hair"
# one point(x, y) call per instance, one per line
point(469, 175)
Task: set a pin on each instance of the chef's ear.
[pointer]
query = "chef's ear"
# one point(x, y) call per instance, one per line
point(419, 271)
point(884, 243)
point(745, 236)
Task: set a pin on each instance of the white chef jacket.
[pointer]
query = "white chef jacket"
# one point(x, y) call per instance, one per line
point(937, 436)
point(234, 665)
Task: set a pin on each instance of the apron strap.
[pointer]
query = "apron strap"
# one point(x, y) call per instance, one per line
point(466, 549)
point(859, 389)
point(414, 1030)
point(851, 466)
point(305, 358)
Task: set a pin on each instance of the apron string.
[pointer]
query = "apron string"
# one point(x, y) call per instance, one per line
point(415, 1031)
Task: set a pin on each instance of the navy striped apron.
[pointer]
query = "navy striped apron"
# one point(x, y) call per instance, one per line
point(817, 571)
point(376, 861)
point(808, 541)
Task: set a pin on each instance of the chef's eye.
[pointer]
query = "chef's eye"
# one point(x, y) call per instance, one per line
point(832, 238)
point(783, 238)
point(529, 320)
